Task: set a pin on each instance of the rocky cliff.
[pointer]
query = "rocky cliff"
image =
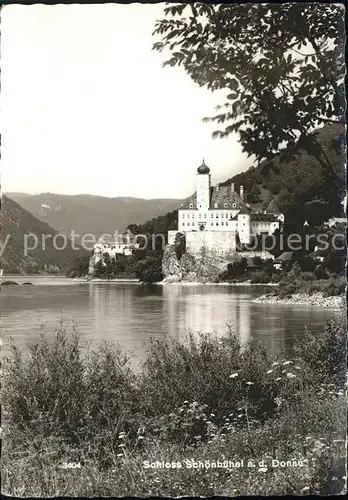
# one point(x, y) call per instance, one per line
point(203, 268)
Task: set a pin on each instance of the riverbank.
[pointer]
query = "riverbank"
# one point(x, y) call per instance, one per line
point(205, 401)
point(315, 299)
point(104, 280)
point(177, 283)
point(210, 283)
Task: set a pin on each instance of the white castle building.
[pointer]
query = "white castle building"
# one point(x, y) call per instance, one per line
point(214, 216)
point(123, 245)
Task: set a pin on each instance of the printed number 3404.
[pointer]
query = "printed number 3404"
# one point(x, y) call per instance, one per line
point(71, 465)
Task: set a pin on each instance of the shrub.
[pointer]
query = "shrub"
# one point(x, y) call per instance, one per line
point(320, 272)
point(260, 277)
point(203, 398)
point(308, 276)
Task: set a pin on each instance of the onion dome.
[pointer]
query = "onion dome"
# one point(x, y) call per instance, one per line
point(203, 169)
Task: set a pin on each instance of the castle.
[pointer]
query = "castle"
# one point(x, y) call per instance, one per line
point(124, 244)
point(215, 217)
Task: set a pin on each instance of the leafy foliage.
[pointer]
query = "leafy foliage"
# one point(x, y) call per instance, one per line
point(281, 67)
point(234, 270)
point(204, 397)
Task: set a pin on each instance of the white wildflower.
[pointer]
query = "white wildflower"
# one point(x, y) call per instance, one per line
point(269, 371)
point(263, 469)
point(291, 375)
point(287, 363)
point(275, 363)
point(249, 383)
point(234, 375)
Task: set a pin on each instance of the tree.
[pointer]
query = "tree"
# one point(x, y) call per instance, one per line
point(180, 245)
point(282, 66)
point(80, 267)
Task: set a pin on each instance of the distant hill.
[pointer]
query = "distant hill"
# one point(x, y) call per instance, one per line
point(302, 189)
point(15, 223)
point(97, 215)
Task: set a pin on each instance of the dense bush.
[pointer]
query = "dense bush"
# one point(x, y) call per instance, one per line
point(235, 270)
point(320, 272)
point(260, 277)
point(79, 267)
point(205, 397)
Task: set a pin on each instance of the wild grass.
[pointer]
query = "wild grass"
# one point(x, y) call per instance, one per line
point(203, 399)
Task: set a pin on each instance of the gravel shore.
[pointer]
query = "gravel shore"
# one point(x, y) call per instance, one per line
point(316, 299)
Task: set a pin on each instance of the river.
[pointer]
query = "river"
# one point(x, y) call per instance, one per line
point(130, 313)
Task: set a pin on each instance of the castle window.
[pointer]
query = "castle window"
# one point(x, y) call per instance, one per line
point(212, 216)
point(234, 205)
point(215, 205)
point(191, 205)
point(217, 216)
point(183, 223)
point(217, 223)
point(225, 205)
point(205, 216)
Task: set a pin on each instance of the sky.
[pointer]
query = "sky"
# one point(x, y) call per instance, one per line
point(86, 106)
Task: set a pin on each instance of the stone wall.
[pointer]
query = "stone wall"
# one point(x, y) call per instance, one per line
point(220, 242)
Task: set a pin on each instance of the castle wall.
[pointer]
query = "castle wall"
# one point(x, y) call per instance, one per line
point(171, 236)
point(258, 227)
point(221, 242)
point(213, 219)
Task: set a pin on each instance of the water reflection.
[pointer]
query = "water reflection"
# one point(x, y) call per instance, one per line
point(130, 314)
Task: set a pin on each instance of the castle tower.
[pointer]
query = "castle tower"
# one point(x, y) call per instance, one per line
point(203, 187)
point(244, 225)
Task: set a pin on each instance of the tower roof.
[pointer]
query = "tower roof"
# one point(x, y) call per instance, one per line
point(203, 169)
point(244, 210)
point(225, 198)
